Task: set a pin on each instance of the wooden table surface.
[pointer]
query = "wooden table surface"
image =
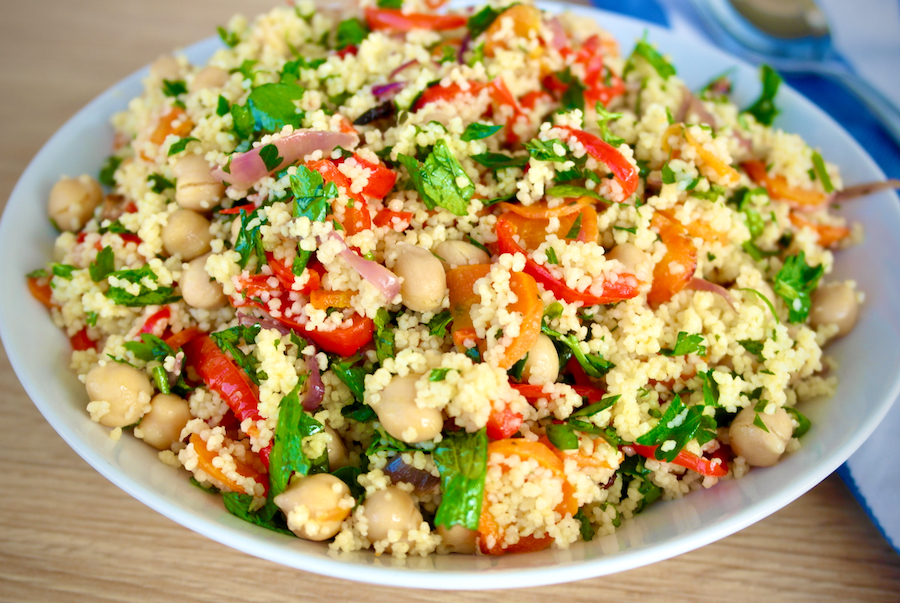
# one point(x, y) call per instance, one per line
point(67, 534)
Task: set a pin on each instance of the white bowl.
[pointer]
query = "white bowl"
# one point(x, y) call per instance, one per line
point(869, 365)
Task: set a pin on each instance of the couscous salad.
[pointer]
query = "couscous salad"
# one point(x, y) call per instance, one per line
point(426, 281)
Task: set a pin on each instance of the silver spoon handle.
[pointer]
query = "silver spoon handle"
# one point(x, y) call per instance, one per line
point(883, 108)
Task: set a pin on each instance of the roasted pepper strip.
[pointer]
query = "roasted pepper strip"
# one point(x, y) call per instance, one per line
point(625, 173)
point(676, 269)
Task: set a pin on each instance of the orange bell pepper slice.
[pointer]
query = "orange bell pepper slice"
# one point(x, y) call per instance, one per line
point(828, 235)
point(525, 18)
point(394, 19)
point(699, 228)
point(39, 287)
point(778, 187)
point(540, 211)
point(322, 299)
point(205, 461)
point(582, 460)
point(164, 127)
point(680, 251)
point(488, 527)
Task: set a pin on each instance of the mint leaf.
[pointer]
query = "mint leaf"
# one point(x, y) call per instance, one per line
point(570, 191)
point(497, 161)
point(267, 517)
point(461, 459)
point(543, 150)
point(437, 326)
point(149, 348)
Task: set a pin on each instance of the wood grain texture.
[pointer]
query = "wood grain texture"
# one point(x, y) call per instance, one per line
point(66, 534)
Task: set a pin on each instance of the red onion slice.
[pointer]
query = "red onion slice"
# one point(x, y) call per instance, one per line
point(245, 169)
point(248, 320)
point(315, 389)
point(386, 91)
point(405, 65)
point(690, 103)
point(463, 48)
point(560, 39)
point(384, 280)
point(422, 481)
point(698, 284)
point(861, 190)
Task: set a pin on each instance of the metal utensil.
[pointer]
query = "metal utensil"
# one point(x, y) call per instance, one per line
point(791, 36)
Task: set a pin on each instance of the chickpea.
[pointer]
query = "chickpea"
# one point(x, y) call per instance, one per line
point(759, 448)
point(161, 427)
point(424, 280)
point(209, 77)
point(390, 509)
point(322, 494)
point(401, 417)
point(458, 539)
point(73, 201)
point(195, 188)
point(834, 303)
point(186, 233)
point(635, 261)
point(337, 450)
point(198, 288)
point(125, 388)
point(166, 67)
point(459, 253)
point(542, 364)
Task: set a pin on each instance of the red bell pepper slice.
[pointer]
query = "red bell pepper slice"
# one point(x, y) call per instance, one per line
point(612, 292)
point(356, 214)
point(534, 392)
point(39, 287)
point(503, 424)
point(180, 338)
point(693, 462)
point(223, 376)
point(345, 341)
point(395, 19)
point(81, 342)
point(285, 274)
point(387, 217)
point(163, 314)
point(625, 173)
point(381, 180)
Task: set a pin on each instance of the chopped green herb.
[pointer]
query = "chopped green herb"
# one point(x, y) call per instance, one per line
point(230, 38)
point(647, 52)
point(562, 436)
point(686, 344)
point(229, 340)
point(568, 191)
point(351, 32)
point(150, 348)
point(173, 89)
point(710, 388)
point(477, 131)
point(480, 21)
point(573, 97)
point(354, 377)
point(268, 516)
point(764, 109)
point(754, 347)
point(585, 528)
point(438, 374)
point(390, 4)
point(287, 456)
point(803, 424)
point(551, 256)
point(107, 172)
point(223, 106)
point(249, 239)
point(477, 244)
point(158, 183)
point(180, 145)
point(63, 271)
point(269, 155)
point(679, 425)
point(795, 283)
point(603, 119)
point(103, 266)
point(384, 335)
point(358, 411)
point(437, 326)
point(515, 371)
point(632, 229)
point(757, 420)
point(441, 182)
point(461, 458)
point(576, 228)
point(273, 106)
point(822, 172)
point(545, 150)
point(593, 364)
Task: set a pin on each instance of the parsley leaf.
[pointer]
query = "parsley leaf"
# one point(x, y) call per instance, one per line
point(437, 326)
point(573, 97)
point(230, 38)
point(686, 344)
point(267, 517)
point(158, 183)
point(754, 347)
point(287, 456)
point(603, 119)
point(359, 412)
point(149, 348)
point(173, 88)
point(477, 131)
point(107, 172)
point(438, 181)
point(631, 469)
point(795, 282)
point(351, 32)
point(354, 377)
point(145, 297)
point(803, 423)
point(710, 388)
point(311, 196)
point(249, 240)
point(103, 266)
point(228, 341)
point(180, 145)
point(272, 107)
point(644, 50)
point(384, 335)
point(269, 155)
point(461, 459)
point(764, 109)
point(593, 364)
point(62, 270)
point(679, 424)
